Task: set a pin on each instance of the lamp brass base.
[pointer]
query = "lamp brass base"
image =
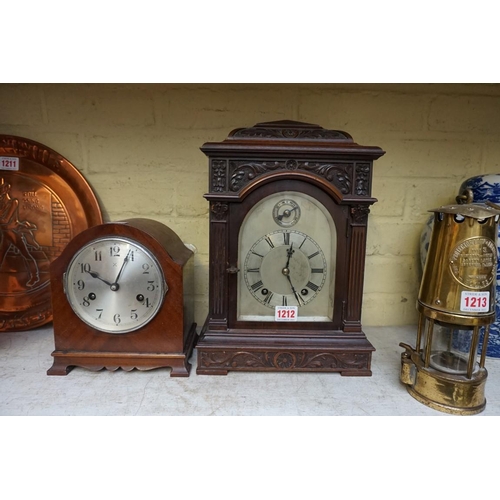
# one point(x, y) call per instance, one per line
point(450, 394)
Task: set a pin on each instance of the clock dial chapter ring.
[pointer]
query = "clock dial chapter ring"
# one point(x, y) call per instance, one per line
point(107, 305)
point(285, 268)
point(286, 213)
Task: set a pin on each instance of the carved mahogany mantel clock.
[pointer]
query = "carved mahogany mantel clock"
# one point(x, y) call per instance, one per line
point(122, 298)
point(289, 204)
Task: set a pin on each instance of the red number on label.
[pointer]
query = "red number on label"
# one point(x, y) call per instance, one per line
point(479, 302)
point(286, 314)
point(7, 163)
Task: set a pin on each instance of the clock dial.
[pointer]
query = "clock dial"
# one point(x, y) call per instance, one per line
point(286, 213)
point(285, 267)
point(115, 285)
point(287, 245)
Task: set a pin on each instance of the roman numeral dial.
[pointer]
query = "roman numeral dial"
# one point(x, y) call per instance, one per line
point(285, 267)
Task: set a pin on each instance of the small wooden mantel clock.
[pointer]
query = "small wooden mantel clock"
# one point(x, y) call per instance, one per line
point(122, 298)
point(289, 204)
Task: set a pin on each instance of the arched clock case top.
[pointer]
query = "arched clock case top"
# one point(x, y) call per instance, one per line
point(122, 296)
point(310, 255)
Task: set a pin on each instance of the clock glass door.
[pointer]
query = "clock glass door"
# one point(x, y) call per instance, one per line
point(287, 247)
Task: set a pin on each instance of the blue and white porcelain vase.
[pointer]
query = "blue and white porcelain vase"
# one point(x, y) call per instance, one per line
point(478, 189)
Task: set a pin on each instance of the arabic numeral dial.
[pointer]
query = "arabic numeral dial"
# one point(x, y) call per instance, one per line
point(115, 285)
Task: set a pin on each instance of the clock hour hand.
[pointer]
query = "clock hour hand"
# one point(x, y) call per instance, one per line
point(289, 252)
point(96, 275)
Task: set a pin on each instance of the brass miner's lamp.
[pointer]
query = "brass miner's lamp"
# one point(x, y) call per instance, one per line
point(456, 299)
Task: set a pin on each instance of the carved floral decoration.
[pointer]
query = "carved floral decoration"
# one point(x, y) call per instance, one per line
point(281, 360)
point(339, 174)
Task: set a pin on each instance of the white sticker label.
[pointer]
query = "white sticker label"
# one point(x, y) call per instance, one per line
point(286, 313)
point(475, 302)
point(9, 163)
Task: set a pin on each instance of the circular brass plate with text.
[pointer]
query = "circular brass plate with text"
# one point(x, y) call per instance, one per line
point(473, 262)
point(44, 202)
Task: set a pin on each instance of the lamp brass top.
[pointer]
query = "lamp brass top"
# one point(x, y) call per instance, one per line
point(459, 280)
point(475, 210)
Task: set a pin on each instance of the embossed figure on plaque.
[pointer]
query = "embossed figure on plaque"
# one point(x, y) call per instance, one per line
point(44, 203)
point(17, 240)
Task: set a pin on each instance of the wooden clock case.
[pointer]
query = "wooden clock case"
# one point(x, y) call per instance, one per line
point(166, 341)
point(245, 168)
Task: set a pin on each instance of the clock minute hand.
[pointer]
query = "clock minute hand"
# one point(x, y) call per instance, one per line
point(286, 213)
point(286, 273)
point(297, 296)
point(125, 260)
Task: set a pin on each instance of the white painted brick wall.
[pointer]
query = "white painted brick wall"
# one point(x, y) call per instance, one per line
point(138, 146)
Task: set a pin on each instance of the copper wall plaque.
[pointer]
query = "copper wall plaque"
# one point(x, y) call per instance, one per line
point(44, 202)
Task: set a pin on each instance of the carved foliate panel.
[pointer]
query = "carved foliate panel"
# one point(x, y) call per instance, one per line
point(289, 130)
point(363, 179)
point(283, 360)
point(340, 174)
point(359, 214)
point(219, 211)
point(218, 176)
